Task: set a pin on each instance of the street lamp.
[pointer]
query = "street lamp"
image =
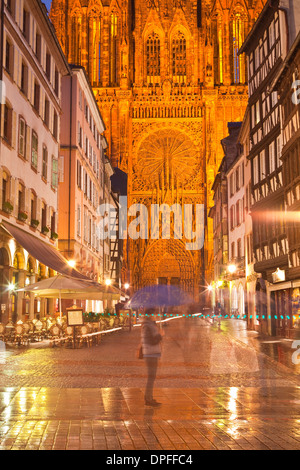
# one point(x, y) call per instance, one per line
point(107, 282)
point(126, 286)
point(72, 263)
point(11, 287)
point(232, 268)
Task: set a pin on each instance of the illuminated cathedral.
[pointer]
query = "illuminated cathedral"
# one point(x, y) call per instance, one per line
point(168, 78)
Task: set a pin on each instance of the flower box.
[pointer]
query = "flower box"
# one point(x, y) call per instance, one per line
point(45, 230)
point(8, 207)
point(35, 223)
point(22, 216)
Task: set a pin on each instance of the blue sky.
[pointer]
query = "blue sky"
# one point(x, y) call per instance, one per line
point(47, 3)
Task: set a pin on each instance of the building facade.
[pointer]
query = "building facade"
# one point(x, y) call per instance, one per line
point(32, 65)
point(250, 275)
point(266, 47)
point(220, 214)
point(236, 204)
point(234, 290)
point(84, 183)
point(167, 77)
point(287, 302)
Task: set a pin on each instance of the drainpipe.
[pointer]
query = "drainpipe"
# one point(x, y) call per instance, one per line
point(1, 55)
point(70, 162)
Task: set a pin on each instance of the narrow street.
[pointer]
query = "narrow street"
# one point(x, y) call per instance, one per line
point(218, 391)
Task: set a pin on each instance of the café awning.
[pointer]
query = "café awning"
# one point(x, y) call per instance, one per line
point(69, 288)
point(43, 252)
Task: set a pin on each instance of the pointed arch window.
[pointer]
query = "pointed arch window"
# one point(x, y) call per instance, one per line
point(220, 52)
point(113, 48)
point(153, 58)
point(179, 57)
point(95, 48)
point(238, 35)
point(77, 38)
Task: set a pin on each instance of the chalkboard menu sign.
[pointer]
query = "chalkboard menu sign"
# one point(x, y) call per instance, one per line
point(75, 316)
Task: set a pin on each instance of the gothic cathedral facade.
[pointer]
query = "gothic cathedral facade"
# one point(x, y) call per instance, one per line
point(168, 78)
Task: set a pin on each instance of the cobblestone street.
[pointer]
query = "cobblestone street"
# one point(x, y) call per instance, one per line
point(217, 389)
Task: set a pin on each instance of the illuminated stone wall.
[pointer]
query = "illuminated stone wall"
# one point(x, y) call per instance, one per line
point(168, 79)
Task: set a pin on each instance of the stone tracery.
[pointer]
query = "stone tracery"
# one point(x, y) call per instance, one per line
point(177, 92)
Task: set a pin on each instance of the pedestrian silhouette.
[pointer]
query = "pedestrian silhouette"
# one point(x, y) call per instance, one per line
point(2, 352)
point(151, 345)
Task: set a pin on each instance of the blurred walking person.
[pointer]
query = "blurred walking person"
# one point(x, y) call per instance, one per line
point(151, 345)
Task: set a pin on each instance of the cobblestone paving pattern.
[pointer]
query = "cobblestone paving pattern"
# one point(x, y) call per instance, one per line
point(216, 393)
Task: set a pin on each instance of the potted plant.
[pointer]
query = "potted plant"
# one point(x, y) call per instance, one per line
point(54, 235)
point(34, 223)
point(45, 230)
point(22, 216)
point(8, 207)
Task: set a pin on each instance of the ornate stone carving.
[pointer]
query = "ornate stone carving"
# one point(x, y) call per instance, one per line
point(164, 130)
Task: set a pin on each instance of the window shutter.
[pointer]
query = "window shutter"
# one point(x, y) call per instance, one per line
point(82, 178)
point(61, 177)
point(28, 142)
point(79, 221)
point(14, 130)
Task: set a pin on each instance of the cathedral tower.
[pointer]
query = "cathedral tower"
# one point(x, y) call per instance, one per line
point(168, 78)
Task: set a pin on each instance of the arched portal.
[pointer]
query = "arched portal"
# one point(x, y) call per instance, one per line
point(168, 178)
point(168, 262)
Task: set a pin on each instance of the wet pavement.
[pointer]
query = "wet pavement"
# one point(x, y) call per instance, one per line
point(219, 389)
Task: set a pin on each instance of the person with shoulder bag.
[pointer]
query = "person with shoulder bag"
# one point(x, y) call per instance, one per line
point(151, 339)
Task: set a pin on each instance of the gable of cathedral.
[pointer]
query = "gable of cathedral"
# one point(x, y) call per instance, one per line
point(168, 77)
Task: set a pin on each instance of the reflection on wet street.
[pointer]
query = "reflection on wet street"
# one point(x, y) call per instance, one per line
point(195, 353)
point(281, 350)
point(216, 389)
